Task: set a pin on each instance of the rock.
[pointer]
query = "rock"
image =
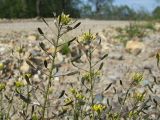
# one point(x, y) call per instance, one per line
point(32, 37)
point(157, 26)
point(98, 98)
point(25, 67)
point(145, 82)
point(134, 47)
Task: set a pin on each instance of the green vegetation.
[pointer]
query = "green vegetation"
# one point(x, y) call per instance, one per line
point(134, 30)
point(104, 9)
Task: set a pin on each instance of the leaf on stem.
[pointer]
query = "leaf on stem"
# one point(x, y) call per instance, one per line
point(69, 42)
point(104, 56)
point(157, 56)
point(60, 17)
point(155, 102)
point(45, 64)
point(40, 31)
point(101, 66)
point(30, 64)
point(62, 113)
point(62, 93)
point(27, 79)
point(121, 82)
point(108, 86)
point(78, 24)
point(26, 100)
point(42, 45)
point(45, 22)
point(69, 103)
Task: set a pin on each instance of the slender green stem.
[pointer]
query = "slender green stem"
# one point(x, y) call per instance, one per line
point(1, 103)
point(10, 105)
point(91, 82)
point(27, 98)
point(50, 75)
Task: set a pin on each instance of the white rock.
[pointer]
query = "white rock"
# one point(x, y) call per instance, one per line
point(25, 67)
point(32, 37)
point(135, 47)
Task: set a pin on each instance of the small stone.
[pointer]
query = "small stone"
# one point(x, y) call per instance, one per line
point(134, 47)
point(145, 82)
point(32, 37)
point(98, 98)
point(25, 67)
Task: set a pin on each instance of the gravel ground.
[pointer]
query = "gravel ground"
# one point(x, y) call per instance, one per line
point(29, 25)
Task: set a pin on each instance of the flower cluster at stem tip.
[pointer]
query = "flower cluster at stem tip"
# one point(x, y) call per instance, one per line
point(1, 66)
point(87, 36)
point(65, 19)
point(137, 77)
point(2, 86)
point(19, 84)
point(77, 94)
point(138, 96)
point(88, 76)
point(98, 107)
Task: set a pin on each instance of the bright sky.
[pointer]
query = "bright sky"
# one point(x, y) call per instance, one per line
point(148, 5)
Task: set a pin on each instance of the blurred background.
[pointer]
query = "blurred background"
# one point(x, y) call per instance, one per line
point(93, 9)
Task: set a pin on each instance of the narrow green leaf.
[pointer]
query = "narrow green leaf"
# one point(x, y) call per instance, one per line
point(45, 22)
point(45, 64)
point(78, 24)
point(26, 100)
point(121, 82)
point(108, 86)
point(60, 17)
point(76, 58)
point(104, 56)
point(27, 79)
point(62, 93)
point(155, 102)
point(101, 66)
point(62, 113)
point(30, 64)
point(68, 103)
point(40, 31)
point(42, 45)
point(149, 87)
point(69, 42)
point(157, 56)
point(7, 97)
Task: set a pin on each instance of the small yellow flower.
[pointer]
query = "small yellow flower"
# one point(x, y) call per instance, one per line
point(1, 66)
point(2, 86)
point(138, 96)
point(98, 107)
point(19, 49)
point(133, 114)
point(87, 36)
point(68, 100)
point(19, 84)
point(137, 77)
point(73, 91)
point(80, 96)
point(65, 19)
point(88, 76)
point(28, 75)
